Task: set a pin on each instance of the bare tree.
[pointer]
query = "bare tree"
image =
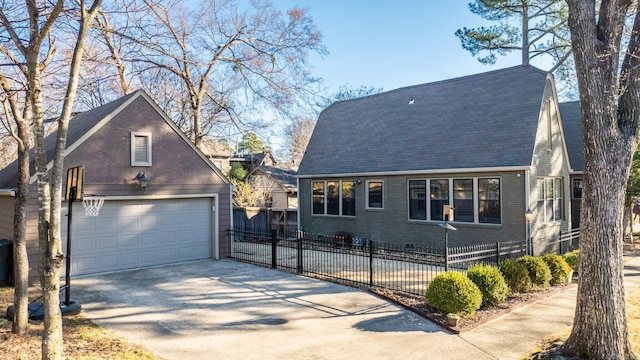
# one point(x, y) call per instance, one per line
point(41, 19)
point(297, 136)
point(610, 105)
point(232, 61)
point(14, 116)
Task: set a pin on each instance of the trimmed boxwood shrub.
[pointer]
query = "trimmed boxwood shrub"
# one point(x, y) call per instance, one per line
point(516, 275)
point(573, 259)
point(452, 292)
point(538, 270)
point(558, 267)
point(490, 282)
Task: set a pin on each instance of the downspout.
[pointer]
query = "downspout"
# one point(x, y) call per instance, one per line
point(299, 203)
point(528, 225)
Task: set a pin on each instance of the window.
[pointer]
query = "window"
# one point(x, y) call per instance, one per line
point(439, 195)
point(140, 149)
point(475, 200)
point(418, 199)
point(348, 198)
point(463, 200)
point(374, 194)
point(489, 201)
point(333, 198)
point(577, 188)
point(318, 197)
point(550, 194)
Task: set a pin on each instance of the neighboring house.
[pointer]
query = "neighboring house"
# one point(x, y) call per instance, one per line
point(276, 181)
point(280, 183)
point(183, 214)
point(491, 145)
point(217, 153)
point(572, 122)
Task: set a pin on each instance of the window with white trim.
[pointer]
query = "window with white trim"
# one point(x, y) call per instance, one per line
point(475, 200)
point(550, 195)
point(141, 149)
point(375, 194)
point(334, 198)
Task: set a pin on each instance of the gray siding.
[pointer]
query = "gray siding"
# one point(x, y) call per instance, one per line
point(549, 163)
point(6, 217)
point(392, 223)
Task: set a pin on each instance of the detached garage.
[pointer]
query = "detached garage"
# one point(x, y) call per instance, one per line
point(181, 212)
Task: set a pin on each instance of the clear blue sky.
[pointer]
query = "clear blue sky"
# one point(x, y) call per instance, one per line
point(392, 44)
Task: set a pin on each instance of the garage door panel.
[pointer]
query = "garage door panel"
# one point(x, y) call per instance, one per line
point(127, 240)
point(104, 242)
point(129, 234)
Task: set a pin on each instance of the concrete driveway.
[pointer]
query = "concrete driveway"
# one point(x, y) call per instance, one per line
point(222, 309)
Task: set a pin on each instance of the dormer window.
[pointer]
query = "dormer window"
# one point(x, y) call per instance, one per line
point(140, 149)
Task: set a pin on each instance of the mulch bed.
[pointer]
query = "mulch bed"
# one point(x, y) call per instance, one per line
point(418, 305)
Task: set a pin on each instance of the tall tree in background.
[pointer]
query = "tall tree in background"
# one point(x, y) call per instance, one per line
point(229, 62)
point(610, 106)
point(297, 136)
point(250, 143)
point(347, 92)
point(534, 27)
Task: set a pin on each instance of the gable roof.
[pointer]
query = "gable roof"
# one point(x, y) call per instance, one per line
point(85, 124)
point(572, 125)
point(286, 177)
point(487, 120)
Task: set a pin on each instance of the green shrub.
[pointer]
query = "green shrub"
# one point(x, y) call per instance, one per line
point(558, 267)
point(490, 282)
point(452, 292)
point(573, 259)
point(538, 270)
point(516, 275)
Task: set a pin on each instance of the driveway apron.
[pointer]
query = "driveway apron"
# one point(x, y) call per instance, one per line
point(222, 309)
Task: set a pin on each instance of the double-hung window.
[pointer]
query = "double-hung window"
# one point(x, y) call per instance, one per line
point(333, 198)
point(475, 200)
point(550, 194)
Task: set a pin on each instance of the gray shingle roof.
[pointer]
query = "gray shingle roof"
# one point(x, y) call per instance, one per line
point(572, 127)
point(479, 121)
point(78, 126)
point(287, 177)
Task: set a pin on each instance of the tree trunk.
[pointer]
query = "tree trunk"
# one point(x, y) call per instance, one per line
point(600, 328)
point(525, 33)
point(610, 135)
point(51, 257)
point(611, 126)
point(20, 258)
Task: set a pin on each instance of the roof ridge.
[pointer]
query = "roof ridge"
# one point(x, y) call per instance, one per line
point(438, 82)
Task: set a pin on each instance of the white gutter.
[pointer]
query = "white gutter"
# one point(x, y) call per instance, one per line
point(7, 192)
point(421, 172)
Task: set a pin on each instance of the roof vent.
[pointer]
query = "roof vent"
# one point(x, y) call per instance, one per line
point(411, 101)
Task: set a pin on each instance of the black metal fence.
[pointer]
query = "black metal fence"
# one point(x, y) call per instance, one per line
point(358, 261)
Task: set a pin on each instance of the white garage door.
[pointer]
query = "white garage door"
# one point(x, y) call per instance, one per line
point(140, 233)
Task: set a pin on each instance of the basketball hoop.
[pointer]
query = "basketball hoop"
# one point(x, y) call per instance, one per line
point(92, 204)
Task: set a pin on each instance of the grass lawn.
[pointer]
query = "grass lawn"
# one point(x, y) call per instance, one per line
point(82, 338)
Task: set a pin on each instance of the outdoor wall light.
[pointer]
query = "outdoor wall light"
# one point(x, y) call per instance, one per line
point(142, 180)
point(528, 215)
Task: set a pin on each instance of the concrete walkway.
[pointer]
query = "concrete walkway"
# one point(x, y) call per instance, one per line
point(228, 310)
